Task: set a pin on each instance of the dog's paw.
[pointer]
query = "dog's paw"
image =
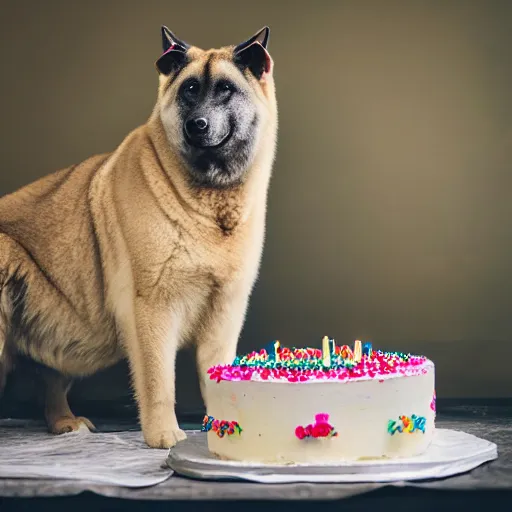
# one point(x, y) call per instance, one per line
point(70, 424)
point(164, 438)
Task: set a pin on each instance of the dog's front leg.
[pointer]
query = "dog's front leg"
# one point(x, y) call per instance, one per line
point(217, 339)
point(151, 343)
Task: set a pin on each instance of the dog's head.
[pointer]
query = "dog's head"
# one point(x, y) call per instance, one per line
point(215, 106)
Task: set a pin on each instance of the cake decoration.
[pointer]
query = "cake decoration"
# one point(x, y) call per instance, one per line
point(358, 351)
point(406, 424)
point(221, 427)
point(326, 352)
point(433, 402)
point(332, 362)
point(346, 354)
point(321, 428)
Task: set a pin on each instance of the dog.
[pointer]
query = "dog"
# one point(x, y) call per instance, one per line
point(135, 253)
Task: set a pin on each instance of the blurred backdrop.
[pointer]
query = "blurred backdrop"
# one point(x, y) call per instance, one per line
point(390, 212)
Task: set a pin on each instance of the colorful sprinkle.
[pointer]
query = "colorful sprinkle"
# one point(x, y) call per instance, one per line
point(221, 427)
point(276, 362)
point(346, 353)
point(321, 428)
point(407, 424)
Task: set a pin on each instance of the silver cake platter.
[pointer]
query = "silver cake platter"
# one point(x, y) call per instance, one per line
point(451, 452)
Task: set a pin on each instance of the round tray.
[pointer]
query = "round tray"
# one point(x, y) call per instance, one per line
point(451, 452)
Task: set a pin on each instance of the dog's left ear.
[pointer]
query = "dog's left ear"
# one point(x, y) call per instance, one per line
point(261, 37)
point(175, 53)
point(253, 55)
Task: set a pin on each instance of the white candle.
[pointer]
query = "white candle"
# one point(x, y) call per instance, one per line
point(358, 351)
point(326, 352)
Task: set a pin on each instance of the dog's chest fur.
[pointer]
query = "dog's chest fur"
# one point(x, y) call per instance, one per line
point(179, 257)
point(183, 264)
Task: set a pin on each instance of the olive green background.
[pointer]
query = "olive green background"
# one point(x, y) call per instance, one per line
point(390, 207)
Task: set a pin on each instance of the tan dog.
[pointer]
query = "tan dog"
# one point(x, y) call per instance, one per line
point(134, 253)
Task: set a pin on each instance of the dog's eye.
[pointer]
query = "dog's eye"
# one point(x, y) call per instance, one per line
point(190, 90)
point(225, 88)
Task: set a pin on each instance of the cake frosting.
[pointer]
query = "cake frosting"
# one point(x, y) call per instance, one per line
point(308, 405)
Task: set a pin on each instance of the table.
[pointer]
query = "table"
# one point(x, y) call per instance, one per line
point(480, 488)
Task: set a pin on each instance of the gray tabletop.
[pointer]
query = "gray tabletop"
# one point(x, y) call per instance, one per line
point(489, 422)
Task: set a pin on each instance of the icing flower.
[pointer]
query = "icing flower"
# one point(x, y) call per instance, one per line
point(321, 428)
point(300, 432)
point(222, 427)
point(322, 418)
point(407, 424)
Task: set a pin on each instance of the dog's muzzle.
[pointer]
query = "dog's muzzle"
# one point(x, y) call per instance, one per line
point(199, 133)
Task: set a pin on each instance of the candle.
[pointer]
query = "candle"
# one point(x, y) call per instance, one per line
point(326, 352)
point(358, 351)
point(276, 346)
point(332, 347)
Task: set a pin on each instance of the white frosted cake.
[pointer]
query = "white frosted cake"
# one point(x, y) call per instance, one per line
point(308, 405)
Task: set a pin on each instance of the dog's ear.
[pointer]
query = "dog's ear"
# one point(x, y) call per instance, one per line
point(175, 53)
point(253, 55)
point(261, 37)
point(169, 39)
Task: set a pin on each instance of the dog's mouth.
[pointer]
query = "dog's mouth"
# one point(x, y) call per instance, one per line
point(209, 147)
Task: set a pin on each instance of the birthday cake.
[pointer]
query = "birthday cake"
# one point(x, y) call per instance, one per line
point(329, 405)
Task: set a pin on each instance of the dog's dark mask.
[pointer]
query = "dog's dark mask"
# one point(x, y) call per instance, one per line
point(218, 117)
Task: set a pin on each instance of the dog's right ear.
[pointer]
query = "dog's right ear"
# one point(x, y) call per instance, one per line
point(169, 39)
point(175, 53)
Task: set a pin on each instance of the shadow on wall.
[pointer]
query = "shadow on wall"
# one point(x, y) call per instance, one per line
point(389, 211)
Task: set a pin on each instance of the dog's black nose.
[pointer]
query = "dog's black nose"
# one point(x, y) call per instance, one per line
point(201, 123)
point(196, 126)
